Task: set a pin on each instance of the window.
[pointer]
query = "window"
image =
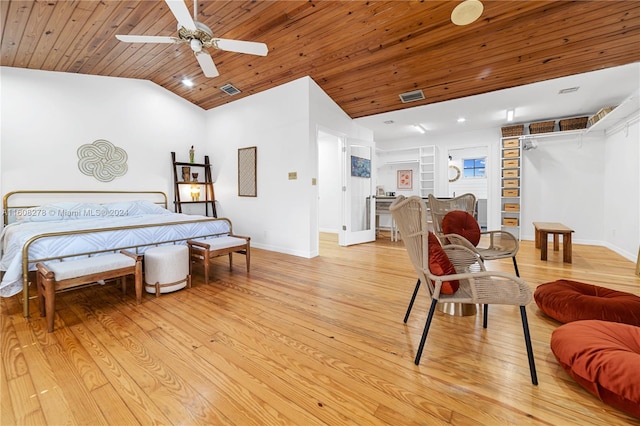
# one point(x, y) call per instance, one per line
point(474, 167)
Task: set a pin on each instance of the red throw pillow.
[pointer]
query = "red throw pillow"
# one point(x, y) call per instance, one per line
point(462, 223)
point(439, 264)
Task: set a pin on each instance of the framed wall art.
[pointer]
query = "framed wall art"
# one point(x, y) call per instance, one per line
point(360, 167)
point(247, 172)
point(405, 179)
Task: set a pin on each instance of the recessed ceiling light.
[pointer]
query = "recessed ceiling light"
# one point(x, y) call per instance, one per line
point(568, 90)
point(467, 12)
point(187, 82)
point(419, 128)
point(461, 120)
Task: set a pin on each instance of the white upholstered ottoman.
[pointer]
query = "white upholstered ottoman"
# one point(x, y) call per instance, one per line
point(166, 269)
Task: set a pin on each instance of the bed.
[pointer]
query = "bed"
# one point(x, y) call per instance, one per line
point(61, 225)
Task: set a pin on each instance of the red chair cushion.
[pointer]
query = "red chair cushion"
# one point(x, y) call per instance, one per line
point(440, 264)
point(567, 301)
point(462, 223)
point(604, 358)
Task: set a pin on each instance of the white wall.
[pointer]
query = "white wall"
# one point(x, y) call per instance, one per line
point(276, 122)
point(47, 115)
point(283, 123)
point(563, 182)
point(621, 230)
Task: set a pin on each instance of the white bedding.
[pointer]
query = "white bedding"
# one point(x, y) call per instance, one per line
point(15, 235)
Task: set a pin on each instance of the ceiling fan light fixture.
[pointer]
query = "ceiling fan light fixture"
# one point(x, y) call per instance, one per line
point(467, 12)
point(199, 37)
point(196, 45)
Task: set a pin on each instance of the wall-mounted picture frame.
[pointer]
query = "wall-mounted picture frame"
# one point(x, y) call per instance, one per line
point(380, 191)
point(360, 167)
point(247, 172)
point(405, 179)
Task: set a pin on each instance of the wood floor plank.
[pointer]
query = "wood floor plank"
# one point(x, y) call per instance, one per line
point(298, 341)
point(45, 389)
point(186, 342)
point(179, 401)
point(138, 402)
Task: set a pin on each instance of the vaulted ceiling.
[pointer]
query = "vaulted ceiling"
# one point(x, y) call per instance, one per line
point(362, 53)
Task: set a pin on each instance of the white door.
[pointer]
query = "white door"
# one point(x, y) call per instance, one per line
point(358, 202)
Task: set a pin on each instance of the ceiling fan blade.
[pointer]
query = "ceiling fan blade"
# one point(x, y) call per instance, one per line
point(206, 63)
point(147, 39)
point(239, 46)
point(182, 14)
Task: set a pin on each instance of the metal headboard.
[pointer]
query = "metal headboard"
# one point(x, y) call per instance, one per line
point(25, 199)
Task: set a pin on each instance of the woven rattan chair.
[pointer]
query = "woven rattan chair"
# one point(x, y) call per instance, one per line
point(501, 244)
point(476, 284)
point(398, 199)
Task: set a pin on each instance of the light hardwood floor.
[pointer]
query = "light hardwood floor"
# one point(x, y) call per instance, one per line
point(297, 342)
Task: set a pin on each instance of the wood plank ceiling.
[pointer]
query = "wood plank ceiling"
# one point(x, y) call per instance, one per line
point(362, 53)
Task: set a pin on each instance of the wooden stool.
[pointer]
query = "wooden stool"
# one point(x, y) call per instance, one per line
point(202, 252)
point(55, 277)
point(542, 231)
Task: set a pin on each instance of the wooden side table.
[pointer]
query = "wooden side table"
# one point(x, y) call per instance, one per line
point(543, 229)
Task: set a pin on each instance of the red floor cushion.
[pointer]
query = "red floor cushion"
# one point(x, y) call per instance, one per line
point(604, 358)
point(567, 301)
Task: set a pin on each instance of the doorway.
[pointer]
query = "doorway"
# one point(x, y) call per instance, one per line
point(329, 186)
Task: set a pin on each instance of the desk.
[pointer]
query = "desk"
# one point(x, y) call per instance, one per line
point(543, 229)
point(382, 208)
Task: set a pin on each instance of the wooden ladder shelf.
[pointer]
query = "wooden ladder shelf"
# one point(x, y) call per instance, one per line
point(205, 185)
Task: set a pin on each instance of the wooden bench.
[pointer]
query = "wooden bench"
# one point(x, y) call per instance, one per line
point(54, 277)
point(543, 229)
point(202, 252)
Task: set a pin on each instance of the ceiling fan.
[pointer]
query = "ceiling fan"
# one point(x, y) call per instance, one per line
point(199, 37)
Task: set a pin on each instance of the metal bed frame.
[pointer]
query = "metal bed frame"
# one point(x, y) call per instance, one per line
point(8, 207)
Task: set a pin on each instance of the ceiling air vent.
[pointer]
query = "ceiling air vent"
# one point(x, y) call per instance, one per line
point(416, 95)
point(230, 89)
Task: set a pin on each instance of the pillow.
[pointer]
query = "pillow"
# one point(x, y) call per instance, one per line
point(439, 264)
point(462, 223)
point(134, 208)
point(61, 211)
point(567, 301)
point(603, 357)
